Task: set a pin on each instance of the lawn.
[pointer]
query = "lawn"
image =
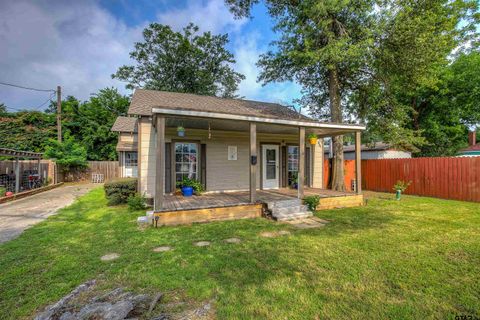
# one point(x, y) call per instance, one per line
point(417, 258)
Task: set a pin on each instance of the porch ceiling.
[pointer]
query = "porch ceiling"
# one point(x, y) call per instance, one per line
point(243, 126)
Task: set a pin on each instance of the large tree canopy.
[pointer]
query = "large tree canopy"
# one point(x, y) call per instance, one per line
point(182, 62)
point(324, 46)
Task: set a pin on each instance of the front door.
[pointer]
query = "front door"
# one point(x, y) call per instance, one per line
point(270, 166)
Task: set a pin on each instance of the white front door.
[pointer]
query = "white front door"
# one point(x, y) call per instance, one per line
point(270, 166)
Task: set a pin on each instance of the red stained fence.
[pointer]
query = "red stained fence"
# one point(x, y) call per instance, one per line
point(349, 171)
point(447, 177)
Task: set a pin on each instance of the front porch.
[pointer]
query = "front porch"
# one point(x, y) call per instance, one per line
point(237, 205)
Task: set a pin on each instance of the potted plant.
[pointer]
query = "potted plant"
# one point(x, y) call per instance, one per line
point(190, 186)
point(312, 138)
point(399, 187)
point(181, 131)
point(294, 182)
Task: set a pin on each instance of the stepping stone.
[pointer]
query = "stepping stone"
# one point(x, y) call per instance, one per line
point(233, 240)
point(268, 234)
point(284, 232)
point(308, 223)
point(202, 243)
point(110, 257)
point(162, 249)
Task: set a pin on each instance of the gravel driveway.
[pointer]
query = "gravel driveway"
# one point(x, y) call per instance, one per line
point(18, 215)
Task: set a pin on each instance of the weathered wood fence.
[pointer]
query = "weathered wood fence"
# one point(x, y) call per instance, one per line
point(446, 177)
point(455, 178)
point(109, 169)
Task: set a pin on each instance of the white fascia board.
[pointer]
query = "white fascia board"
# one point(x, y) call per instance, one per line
point(216, 115)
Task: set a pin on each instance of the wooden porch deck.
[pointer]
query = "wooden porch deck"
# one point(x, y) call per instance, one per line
point(241, 198)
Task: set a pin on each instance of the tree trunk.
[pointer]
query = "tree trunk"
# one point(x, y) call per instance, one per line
point(338, 183)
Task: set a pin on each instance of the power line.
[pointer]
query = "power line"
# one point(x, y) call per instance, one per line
point(26, 88)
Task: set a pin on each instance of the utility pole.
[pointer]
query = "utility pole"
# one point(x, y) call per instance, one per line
point(59, 113)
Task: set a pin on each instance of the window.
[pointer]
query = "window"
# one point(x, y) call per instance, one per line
point(131, 159)
point(186, 161)
point(292, 164)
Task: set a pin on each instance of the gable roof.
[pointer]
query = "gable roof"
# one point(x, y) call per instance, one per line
point(125, 124)
point(144, 100)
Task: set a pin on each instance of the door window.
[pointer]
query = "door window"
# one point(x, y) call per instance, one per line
point(186, 160)
point(271, 164)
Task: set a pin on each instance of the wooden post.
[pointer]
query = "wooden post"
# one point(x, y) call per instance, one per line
point(59, 113)
point(253, 167)
point(39, 171)
point(358, 161)
point(160, 164)
point(17, 175)
point(301, 161)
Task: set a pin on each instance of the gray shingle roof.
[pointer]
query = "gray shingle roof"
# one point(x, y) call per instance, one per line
point(125, 124)
point(144, 100)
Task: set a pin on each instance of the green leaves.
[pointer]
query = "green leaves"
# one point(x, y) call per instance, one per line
point(67, 153)
point(182, 62)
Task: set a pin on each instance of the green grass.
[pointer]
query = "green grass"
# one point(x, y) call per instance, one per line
point(418, 258)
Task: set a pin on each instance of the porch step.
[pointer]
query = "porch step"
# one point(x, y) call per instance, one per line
point(288, 209)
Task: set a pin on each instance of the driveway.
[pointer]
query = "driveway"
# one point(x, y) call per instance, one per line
point(18, 215)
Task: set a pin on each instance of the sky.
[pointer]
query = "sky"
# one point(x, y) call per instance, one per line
point(79, 44)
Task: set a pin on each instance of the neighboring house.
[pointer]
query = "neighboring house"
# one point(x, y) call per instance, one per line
point(379, 150)
point(473, 149)
point(127, 146)
point(229, 145)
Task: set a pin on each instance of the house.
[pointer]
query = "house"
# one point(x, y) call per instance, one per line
point(244, 153)
point(379, 150)
point(473, 149)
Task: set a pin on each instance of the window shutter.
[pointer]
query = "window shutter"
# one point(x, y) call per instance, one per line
point(203, 165)
point(168, 168)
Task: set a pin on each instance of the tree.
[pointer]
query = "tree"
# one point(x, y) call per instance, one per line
point(3, 109)
point(89, 122)
point(68, 153)
point(324, 46)
point(414, 44)
point(182, 62)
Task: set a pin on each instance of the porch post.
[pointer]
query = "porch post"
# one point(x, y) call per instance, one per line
point(17, 175)
point(253, 167)
point(160, 164)
point(301, 161)
point(358, 161)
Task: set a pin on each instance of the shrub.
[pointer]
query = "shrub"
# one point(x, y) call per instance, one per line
point(312, 202)
point(3, 190)
point(136, 202)
point(119, 190)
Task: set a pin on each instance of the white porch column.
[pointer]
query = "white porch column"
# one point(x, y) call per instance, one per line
point(253, 167)
point(358, 161)
point(160, 164)
point(301, 161)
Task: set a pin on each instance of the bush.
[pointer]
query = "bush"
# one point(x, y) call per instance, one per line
point(312, 202)
point(119, 190)
point(3, 190)
point(136, 202)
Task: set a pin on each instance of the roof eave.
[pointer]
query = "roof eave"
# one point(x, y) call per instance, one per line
point(217, 115)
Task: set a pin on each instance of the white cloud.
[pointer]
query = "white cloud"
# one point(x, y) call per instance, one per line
point(212, 15)
point(247, 51)
point(77, 45)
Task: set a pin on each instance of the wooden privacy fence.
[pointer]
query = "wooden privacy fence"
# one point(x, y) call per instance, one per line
point(349, 171)
point(109, 170)
point(447, 177)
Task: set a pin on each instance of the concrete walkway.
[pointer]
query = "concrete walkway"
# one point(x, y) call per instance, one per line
point(18, 215)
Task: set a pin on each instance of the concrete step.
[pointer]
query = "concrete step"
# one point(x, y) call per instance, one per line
point(283, 203)
point(291, 209)
point(289, 217)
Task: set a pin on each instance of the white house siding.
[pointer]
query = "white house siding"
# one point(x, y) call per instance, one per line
point(147, 157)
point(317, 165)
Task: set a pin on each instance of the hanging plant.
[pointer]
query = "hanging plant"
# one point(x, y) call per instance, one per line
point(312, 138)
point(181, 131)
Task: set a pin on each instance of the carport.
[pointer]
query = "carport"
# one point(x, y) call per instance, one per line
point(17, 155)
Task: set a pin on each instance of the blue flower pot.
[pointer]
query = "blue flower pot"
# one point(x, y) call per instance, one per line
point(187, 191)
point(181, 133)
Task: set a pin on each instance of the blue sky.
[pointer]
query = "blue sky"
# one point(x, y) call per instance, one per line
point(79, 44)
